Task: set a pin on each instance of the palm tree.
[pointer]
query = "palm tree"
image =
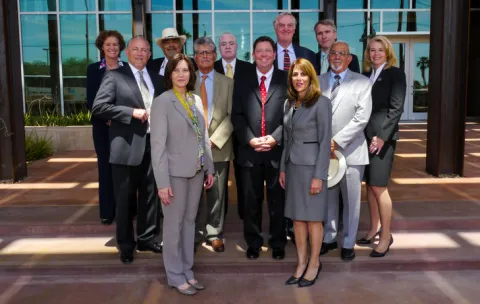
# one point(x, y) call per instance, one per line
point(188, 35)
point(423, 63)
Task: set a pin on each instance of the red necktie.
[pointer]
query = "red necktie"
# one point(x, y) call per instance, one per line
point(286, 60)
point(263, 95)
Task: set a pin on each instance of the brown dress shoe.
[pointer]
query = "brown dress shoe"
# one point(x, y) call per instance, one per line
point(217, 245)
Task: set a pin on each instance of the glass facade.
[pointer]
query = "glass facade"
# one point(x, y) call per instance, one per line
point(58, 36)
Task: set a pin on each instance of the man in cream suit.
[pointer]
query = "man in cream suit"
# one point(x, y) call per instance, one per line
point(216, 92)
point(350, 94)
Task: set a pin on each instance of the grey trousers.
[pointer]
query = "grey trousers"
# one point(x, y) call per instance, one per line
point(211, 212)
point(179, 228)
point(351, 189)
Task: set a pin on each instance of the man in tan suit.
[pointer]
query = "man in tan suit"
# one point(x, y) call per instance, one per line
point(216, 92)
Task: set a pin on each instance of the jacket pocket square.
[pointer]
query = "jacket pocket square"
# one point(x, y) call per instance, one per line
point(310, 142)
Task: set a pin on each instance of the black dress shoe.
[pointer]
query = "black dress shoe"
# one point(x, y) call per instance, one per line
point(293, 280)
point(326, 247)
point(306, 283)
point(106, 221)
point(253, 253)
point(151, 246)
point(126, 257)
point(347, 254)
point(364, 241)
point(278, 253)
point(376, 254)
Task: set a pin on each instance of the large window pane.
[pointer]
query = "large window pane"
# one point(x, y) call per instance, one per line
point(40, 63)
point(232, 5)
point(422, 3)
point(406, 21)
point(350, 4)
point(421, 74)
point(158, 23)
point(306, 23)
point(270, 4)
point(162, 5)
point(114, 5)
point(239, 25)
point(389, 4)
point(189, 5)
point(309, 4)
point(120, 22)
point(37, 5)
point(351, 28)
point(194, 26)
point(263, 25)
point(77, 6)
point(375, 22)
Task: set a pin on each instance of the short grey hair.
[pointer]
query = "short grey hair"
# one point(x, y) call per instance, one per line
point(204, 41)
point(328, 22)
point(342, 42)
point(227, 33)
point(140, 37)
point(284, 14)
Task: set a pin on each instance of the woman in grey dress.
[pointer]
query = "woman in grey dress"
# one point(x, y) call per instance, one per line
point(307, 135)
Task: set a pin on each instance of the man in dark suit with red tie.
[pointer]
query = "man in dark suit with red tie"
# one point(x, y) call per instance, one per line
point(257, 118)
point(239, 70)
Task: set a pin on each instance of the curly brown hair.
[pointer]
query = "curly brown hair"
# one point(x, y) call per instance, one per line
point(104, 35)
point(172, 65)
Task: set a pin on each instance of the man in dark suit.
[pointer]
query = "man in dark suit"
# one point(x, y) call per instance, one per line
point(125, 97)
point(284, 26)
point(257, 118)
point(326, 34)
point(237, 69)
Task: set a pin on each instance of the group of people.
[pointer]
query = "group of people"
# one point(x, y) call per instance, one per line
point(166, 129)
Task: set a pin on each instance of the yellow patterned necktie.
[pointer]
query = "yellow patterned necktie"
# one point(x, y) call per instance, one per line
point(229, 73)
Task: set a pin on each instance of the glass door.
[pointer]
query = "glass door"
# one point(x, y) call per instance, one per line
point(413, 57)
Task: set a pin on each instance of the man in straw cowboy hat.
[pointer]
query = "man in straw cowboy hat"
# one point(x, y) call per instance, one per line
point(171, 44)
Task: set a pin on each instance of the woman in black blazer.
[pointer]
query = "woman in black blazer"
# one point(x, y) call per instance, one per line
point(110, 44)
point(388, 98)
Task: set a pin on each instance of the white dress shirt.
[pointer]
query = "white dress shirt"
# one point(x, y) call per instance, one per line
point(281, 55)
point(151, 88)
point(233, 63)
point(376, 73)
point(164, 65)
point(267, 80)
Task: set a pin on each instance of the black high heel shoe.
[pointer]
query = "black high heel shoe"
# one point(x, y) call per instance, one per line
point(293, 280)
point(306, 283)
point(376, 254)
point(365, 241)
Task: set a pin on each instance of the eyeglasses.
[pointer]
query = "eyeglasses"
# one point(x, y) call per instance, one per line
point(343, 53)
point(205, 53)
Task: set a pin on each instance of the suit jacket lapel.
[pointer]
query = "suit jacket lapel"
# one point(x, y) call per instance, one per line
point(216, 92)
point(344, 88)
point(178, 105)
point(132, 82)
point(273, 86)
point(290, 117)
point(325, 85)
point(297, 115)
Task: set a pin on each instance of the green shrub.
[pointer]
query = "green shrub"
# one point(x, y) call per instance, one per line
point(53, 119)
point(37, 147)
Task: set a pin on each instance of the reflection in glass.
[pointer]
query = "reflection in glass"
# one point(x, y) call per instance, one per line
point(239, 25)
point(307, 35)
point(40, 63)
point(400, 49)
point(114, 5)
point(270, 4)
point(351, 29)
point(351, 4)
point(193, 26)
point(309, 4)
point(263, 25)
point(158, 22)
point(421, 74)
point(390, 3)
point(162, 5)
point(193, 5)
point(38, 5)
point(422, 3)
point(118, 22)
point(406, 21)
point(77, 6)
point(232, 5)
point(375, 22)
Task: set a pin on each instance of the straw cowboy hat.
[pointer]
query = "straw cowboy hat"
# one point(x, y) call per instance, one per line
point(170, 33)
point(336, 169)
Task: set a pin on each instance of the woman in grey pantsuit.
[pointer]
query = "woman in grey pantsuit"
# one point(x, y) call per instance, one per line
point(307, 133)
point(182, 163)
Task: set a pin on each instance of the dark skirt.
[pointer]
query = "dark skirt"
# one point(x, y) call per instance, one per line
point(377, 173)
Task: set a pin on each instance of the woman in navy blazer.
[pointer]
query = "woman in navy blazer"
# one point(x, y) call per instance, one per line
point(388, 98)
point(110, 44)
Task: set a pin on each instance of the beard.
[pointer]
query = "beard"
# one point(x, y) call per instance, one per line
point(336, 68)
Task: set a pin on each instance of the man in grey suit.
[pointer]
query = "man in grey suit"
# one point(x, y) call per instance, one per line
point(125, 97)
point(216, 91)
point(350, 94)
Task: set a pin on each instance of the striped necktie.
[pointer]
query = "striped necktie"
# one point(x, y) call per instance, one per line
point(286, 60)
point(335, 88)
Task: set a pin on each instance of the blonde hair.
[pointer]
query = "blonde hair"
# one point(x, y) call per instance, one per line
point(313, 90)
point(387, 46)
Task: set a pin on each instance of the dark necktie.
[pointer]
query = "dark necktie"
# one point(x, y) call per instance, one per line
point(335, 88)
point(286, 60)
point(263, 95)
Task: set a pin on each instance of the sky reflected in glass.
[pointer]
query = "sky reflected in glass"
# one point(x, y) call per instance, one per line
point(204, 29)
point(159, 22)
point(239, 25)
